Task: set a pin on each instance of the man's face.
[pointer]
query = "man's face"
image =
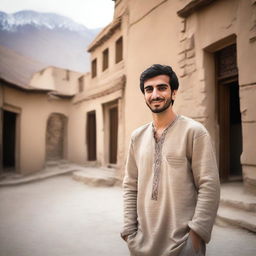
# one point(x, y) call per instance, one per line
point(158, 94)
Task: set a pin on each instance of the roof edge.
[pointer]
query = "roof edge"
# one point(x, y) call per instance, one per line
point(105, 34)
point(21, 88)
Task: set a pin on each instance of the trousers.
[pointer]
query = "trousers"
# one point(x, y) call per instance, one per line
point(189, 250)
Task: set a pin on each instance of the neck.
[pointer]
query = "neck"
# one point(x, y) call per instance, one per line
point(163, 119)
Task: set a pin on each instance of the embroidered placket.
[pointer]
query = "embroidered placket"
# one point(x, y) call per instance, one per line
point(158, 161)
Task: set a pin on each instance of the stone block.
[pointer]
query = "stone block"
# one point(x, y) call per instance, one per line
point(182, 63)
point(190, 43)
point(190, 61)
point(183, 25)
point(247, 103)
point(249, 171)
point(181, 56)
point(190, 54)
point(190, 68)
point(249, 177)
point(249, 143)
point(182, 37)
point(182, 72)
point(182, 46)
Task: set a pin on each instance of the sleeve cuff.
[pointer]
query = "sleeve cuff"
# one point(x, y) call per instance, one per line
point(126, 233)
point(206, 236)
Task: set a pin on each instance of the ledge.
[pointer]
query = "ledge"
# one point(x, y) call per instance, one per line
point(105, 34)
point(193, 6)
point(104, 89)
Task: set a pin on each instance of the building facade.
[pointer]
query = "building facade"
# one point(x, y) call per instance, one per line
point(98, 108)
point(211, 44)
point(35, 119)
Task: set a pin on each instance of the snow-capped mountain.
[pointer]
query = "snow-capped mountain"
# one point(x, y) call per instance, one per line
point(12, 22)
point(49, 38)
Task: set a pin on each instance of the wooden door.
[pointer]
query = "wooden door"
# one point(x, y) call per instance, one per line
point(229, 113)
point(91, 136)
point(113, 134)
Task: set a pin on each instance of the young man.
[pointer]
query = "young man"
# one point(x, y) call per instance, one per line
point(171, 184)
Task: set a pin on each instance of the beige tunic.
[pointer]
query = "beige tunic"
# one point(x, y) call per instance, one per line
point(187, 189)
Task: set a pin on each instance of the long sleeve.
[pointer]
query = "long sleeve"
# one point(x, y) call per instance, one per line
point(130, 194)
point(206, 179)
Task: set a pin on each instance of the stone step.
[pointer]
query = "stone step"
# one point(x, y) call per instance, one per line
point(237, 206)
point(96, 176)
point(234, 195)
point(237, 217)
point(47, 172)
point(242, 205)
point(54, 163)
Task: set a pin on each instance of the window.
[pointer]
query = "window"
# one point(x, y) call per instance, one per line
point(119, 49)
point(105, 59)
point(67, 75)
point(81, 83)
point(94, 68)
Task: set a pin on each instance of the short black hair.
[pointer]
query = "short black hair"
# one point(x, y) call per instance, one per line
point(156, 70)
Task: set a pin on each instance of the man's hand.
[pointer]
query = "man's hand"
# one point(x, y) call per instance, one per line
point(125, 238)
point(196, 240)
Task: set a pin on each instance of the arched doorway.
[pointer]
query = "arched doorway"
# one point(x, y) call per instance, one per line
point(56, 137)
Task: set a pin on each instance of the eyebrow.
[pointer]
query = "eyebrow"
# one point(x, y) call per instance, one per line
point(158, 85)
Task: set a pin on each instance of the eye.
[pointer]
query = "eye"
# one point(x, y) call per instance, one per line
point(162, 88)
point(148, 89)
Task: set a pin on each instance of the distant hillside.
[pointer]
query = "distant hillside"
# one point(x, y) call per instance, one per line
point(16, 68)
point(51, 39)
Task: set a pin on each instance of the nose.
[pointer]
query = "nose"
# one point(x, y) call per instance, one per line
point(155, 93)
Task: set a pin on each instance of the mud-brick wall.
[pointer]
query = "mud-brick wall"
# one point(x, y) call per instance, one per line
point(246, 44)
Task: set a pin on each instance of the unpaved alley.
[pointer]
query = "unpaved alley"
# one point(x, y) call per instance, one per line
point(62, 217)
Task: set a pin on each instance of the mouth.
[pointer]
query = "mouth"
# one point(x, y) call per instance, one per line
point(156, 102)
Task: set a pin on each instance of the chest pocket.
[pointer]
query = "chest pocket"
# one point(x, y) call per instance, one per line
point(178, 169)
point(176, 161)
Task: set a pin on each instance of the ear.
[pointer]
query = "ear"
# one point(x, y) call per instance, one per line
point(174, 93)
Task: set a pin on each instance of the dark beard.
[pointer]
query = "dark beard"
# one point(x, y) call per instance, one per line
point(160, 110)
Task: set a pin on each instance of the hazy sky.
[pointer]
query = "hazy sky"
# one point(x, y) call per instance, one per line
point(91, 13)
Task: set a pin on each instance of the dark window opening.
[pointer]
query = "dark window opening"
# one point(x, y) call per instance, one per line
point(94, 68)
point(119, 49)
point(81, 84)
point(105, 60)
